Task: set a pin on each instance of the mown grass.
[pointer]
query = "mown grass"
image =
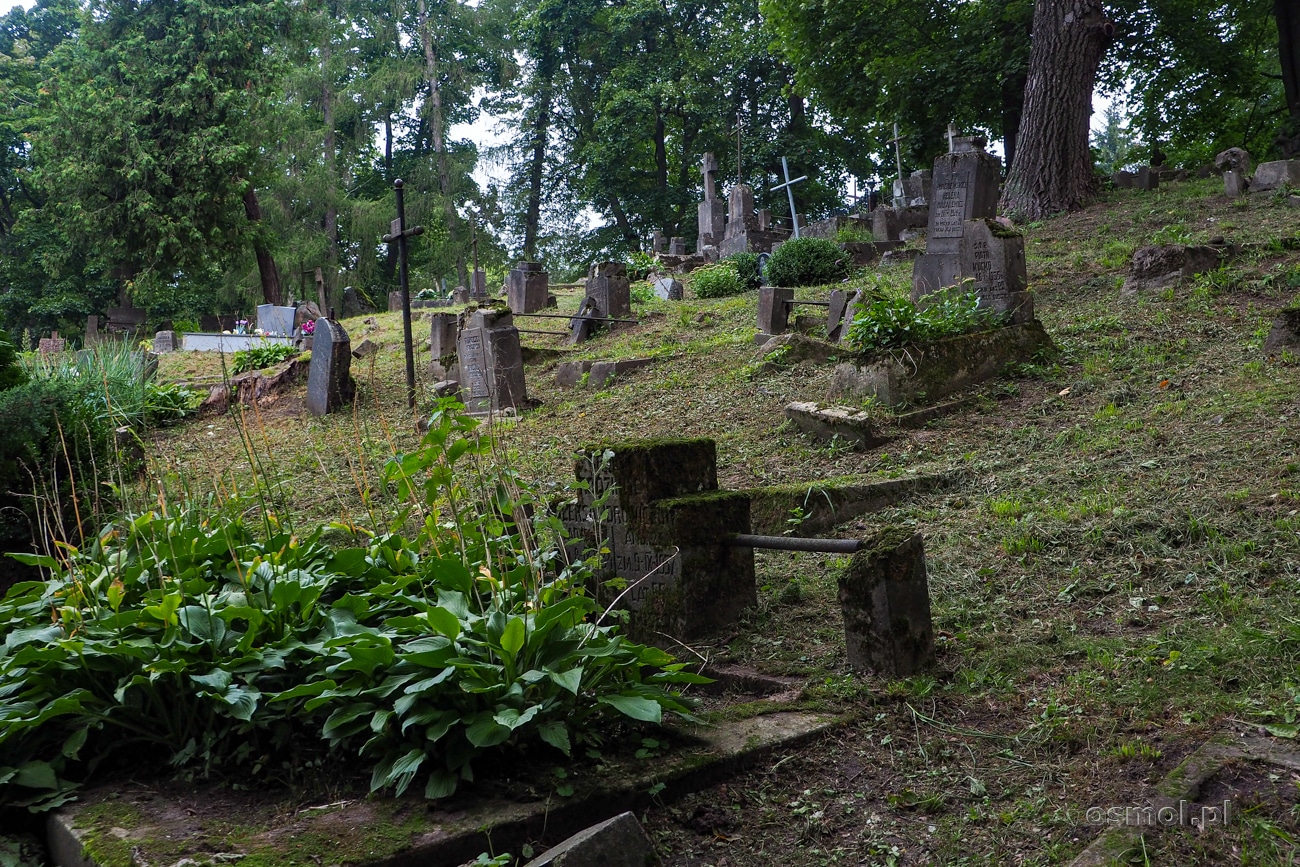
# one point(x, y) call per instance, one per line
point(1113, 583)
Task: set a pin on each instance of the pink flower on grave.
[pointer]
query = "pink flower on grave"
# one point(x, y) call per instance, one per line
point(309, 328)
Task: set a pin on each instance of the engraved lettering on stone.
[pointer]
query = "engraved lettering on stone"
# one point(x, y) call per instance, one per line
point(949, 208)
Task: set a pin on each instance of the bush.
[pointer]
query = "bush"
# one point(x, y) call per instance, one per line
point(747, 269)
point(716, 281)
point(858, 231)
point(639, 265)
point(11, 372)
point(807, 262)
point(265, 355)
point(204, 645)
point(893, 322)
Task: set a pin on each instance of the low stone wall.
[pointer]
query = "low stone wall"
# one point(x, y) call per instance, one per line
point(917, 373)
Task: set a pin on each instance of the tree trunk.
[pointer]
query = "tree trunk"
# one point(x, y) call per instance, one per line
point(624, 225)
point(536, 170)
point(265, 261)
point(1288, 50)
point(331, 225)
point(439, 146)
point(1053, 168)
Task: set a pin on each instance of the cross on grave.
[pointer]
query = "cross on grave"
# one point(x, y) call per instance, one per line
point(785, 170)
point(398, 233)
point(898, 153)
point(740, 176)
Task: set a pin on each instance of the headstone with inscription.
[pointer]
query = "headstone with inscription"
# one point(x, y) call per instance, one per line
point(444, 328)
point(329, 378)
point(275, 320)
point(712, 211)
point(527, 288)
point(657, 508)
point(164, 341)
point(490, 362)
point(993, 256)
point(744, 233)
point(609, 291)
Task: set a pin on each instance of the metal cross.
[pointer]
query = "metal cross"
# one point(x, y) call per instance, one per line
point(785, 169)
point(898, 158)
point(398, 234)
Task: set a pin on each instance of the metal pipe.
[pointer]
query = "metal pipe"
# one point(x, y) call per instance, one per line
point(535, 331)
point(789, 543)
point(810, 303)
point(578, 316)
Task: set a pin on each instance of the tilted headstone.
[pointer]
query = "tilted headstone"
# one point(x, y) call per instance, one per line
point(666, 529)
point(490, 362)
point(676, 246)
point(52, 344)
point(276, 320)
point(913, 191)
point(994, 256)
point(329, 379)
point(164, 341)
point(444, 328)
point(668, 289)
point(527, 287)
point(839, 306)
point(774, 310)
point(885, 597)
point(712, 211)
point(610, 291)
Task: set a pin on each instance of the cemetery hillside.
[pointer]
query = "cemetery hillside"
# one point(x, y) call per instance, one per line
point(625, 434)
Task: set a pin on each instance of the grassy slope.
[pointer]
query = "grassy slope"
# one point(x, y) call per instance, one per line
point(1115, 581)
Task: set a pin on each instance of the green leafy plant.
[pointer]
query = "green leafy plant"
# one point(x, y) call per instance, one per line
point(857, 231)
point(264, 355)
point(894, 322)
point(716, 281)
point(186, 636)
point(168, 402)
point(639, 265)
point(11, 372)
point(807, 262)
point(748, 269)
point(641, 293)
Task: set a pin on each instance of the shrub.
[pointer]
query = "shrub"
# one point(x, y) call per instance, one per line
point(807, 262)
point(856, 231)
point(185, 638)
point(716, 281)
point(747, 269)
point(893, 322)
point(264, 355)
point(11, 372)
point(639, 265)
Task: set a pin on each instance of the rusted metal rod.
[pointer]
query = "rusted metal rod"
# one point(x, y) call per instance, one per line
point(578, 316)
point(790, 543)
point(810, 303)
point(535, 331)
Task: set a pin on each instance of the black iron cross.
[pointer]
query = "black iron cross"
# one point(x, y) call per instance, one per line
point(398, 234)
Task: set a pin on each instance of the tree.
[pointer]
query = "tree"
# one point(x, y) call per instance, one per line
point(1287, 17)
point(1114, 144)
point(1053, 172)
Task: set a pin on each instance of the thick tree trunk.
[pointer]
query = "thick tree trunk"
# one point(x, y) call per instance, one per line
point(1053, 167)
point(1288, 51)
point(265, 261)
point(439, 145)
point(536, 170)
point(623, 223)
point(331, 224)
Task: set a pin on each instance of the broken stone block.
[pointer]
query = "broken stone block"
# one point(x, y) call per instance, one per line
point(885, 597)
point(365, 349)
point(1161, 266)
point(1275, 175)
point(836, 424)
point(1284, 336)
point(616, 842)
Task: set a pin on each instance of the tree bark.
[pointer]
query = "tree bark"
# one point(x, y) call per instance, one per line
point(439, 146)
point(331, 224)
point(1288, 51)
point(1052, 172)
point(536, 170)
point(265, 261)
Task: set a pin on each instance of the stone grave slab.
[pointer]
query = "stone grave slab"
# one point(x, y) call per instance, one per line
point(616, 842)
point(165, 341)
point(527, 288)
point(866, 252)
point(128, 320)
point(490, 362)
point(1163, 265)
point(838, 424)
point(828, 504)
point(1275, 175)
point(275, 320)
point(885, 598)
point(478, 284)
point(888, 224)
point(676, 246)
point(669, 289)
point(329, 379)
point(598, 374)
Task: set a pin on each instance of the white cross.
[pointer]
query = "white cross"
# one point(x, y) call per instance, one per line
point(785, 169)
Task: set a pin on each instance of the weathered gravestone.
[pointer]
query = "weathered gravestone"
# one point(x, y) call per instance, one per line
point(1235, 165)
point(773, 312)
point(1275, 175)
point(743, 233)
point(656, 506)
point(913, 191)
point(712, 212)
point(164, 341)
point(490, 362)
point(329, 379)
point(276, 320)
point(92, 331)
point(658, 244)
point(444, 328)
point(478, 283)
point(527, 288)
point(52, 345)
point(609, 290)
point(126, 320)
point(963, 240)
point(668, 289)
point(888, 224)
point(885, 597)
point(1147, 179)
point(676, 246)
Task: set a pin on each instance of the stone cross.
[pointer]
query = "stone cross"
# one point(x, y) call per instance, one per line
point(740, 176)
point(785, 169)
point(898, 153)
point(398, 234)
point(710, 170)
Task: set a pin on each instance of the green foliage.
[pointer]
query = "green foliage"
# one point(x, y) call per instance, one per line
point(185, 638)
point(639, 265)
point(857, 231)
point(1114, 146)
point(641, 293)
point(748, 269)
point(109, 379)
point(807, 262)
point(11, 372)
point(894, 322)
point(716, 281)
point(264, 355)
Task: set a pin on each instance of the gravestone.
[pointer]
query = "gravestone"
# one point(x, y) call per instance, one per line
point(885, 597)
point(743, 233)
point(964, 240)
point(1123, 180)
point(658, 244)
point(126, 320)
point(888, 224)
point(773, 311)
point(164, 341)
point(92, 331)
point(306, 312)
point(478, 283)
point(329, 378)
point(665, 524)
point(351, 302)
point(835, 313)
point(490, 362)
point(460, 295)
point(1147, 179)
point(275, 320)
point(913, 191)
point(712, 211)
point(616, 842)
point(444, 328)
point(609, 291)
point(668, 289)
point(52, 345)
point(1275, 175)
point(677, 246)
point(527, 288)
